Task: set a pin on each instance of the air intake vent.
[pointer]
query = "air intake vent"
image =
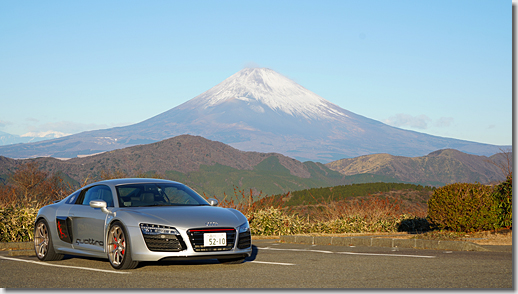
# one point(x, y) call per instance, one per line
point(164, 243)
point(244, 240)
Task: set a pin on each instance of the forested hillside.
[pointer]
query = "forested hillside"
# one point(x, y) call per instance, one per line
point(438, 168)
point(214, 168)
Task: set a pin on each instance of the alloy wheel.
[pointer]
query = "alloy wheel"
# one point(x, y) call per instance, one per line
point(41, 240)
point(116, 245)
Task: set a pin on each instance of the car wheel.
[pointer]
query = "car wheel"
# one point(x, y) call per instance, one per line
point(119, 251)
point(43, 242)
point(231, 260)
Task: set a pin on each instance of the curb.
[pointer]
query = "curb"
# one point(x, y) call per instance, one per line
point(27, 248)
point(18, 248)
point(21, 253)
point(384, 242)
point(16, 245)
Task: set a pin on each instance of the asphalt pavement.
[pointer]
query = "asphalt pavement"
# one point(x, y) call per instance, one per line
point(277, 265)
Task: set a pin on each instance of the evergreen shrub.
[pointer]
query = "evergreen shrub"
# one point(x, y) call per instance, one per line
point(17, 224)
point(463, 207)
point(503, 195)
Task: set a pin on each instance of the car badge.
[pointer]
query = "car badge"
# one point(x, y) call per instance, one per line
point(211, 224)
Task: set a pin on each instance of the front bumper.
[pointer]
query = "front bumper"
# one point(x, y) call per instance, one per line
point(241, 247)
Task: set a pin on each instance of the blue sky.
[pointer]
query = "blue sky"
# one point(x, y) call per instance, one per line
point(437, 67)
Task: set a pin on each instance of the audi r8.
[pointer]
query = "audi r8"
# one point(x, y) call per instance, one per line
point(133, 220)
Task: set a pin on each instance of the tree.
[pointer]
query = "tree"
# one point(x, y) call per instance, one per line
point(506, 164)
point(31, 187)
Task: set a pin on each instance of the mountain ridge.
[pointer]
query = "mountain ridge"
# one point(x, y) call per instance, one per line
point(433, 167)
point(215, 168)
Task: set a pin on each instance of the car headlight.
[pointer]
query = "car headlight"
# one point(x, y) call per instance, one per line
point(244, 228)
point(150, 229)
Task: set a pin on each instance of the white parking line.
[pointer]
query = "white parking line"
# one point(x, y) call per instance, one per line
point(267, 262)
point(387, 254)
point(291, 249)
point(65, 266)
point(350, 253)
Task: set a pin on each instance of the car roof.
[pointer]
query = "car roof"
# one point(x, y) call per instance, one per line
point(125, 181)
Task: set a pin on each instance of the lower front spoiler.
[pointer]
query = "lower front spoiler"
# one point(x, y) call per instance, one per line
point(199, 257)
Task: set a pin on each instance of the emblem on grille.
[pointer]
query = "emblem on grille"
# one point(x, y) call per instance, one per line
point(211, 224)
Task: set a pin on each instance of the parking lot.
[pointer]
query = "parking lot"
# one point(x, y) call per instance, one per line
point(276, 265)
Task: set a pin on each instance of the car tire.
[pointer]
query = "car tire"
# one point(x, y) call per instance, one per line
point(43, 244)
point(118, 247)
point(231, 260)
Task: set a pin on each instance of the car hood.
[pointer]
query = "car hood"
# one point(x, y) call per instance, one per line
point(186, 217)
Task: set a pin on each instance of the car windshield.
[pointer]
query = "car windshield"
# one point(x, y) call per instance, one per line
point(158, 194)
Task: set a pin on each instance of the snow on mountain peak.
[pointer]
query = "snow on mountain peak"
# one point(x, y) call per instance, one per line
point(47, 134)
point(270, 89)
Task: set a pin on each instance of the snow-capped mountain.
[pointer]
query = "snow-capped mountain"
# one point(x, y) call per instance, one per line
point(258, 109)
point(263, 87)
point(44, 135)
point(6, 138)
point(258, 102)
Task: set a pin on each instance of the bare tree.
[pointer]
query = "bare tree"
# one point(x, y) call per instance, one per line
point(505, 164)
point(31, 187)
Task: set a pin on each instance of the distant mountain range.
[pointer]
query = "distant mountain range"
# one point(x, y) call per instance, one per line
point(257, 109)
point(435, 169)
point(215, 168)
point(7, 139)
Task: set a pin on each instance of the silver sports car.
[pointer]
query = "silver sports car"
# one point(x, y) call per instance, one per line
point(132, 220)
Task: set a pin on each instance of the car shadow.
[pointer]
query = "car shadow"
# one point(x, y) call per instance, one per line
point(253, 255)
point(169, 262)
point(79, 257)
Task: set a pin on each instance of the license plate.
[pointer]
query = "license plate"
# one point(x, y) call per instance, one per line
point(215, 239)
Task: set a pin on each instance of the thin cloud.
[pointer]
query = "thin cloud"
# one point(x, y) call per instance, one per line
point(4, 123)
point(444, 122)
point(406, 120)
point(251, 64)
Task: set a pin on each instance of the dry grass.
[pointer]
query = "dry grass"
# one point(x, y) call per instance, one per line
point(269, 215)
point(502, 237)
point(498, 237)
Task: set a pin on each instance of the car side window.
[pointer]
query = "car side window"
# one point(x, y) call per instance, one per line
point(73, 198)
point(100, 192)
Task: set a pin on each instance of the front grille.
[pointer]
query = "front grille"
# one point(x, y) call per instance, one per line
point(167, 243)
point(245, 240)
point(196, 238)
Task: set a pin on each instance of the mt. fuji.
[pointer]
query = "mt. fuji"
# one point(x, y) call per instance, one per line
point(256, 86)
point(258, 109)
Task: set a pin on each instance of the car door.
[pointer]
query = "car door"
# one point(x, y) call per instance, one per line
point(64, 223)
point(88, 223)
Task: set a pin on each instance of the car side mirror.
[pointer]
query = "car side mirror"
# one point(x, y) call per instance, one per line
point(213, 202)
point(102, 205)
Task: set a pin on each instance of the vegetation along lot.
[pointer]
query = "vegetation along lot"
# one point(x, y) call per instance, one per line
point(454, 212)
